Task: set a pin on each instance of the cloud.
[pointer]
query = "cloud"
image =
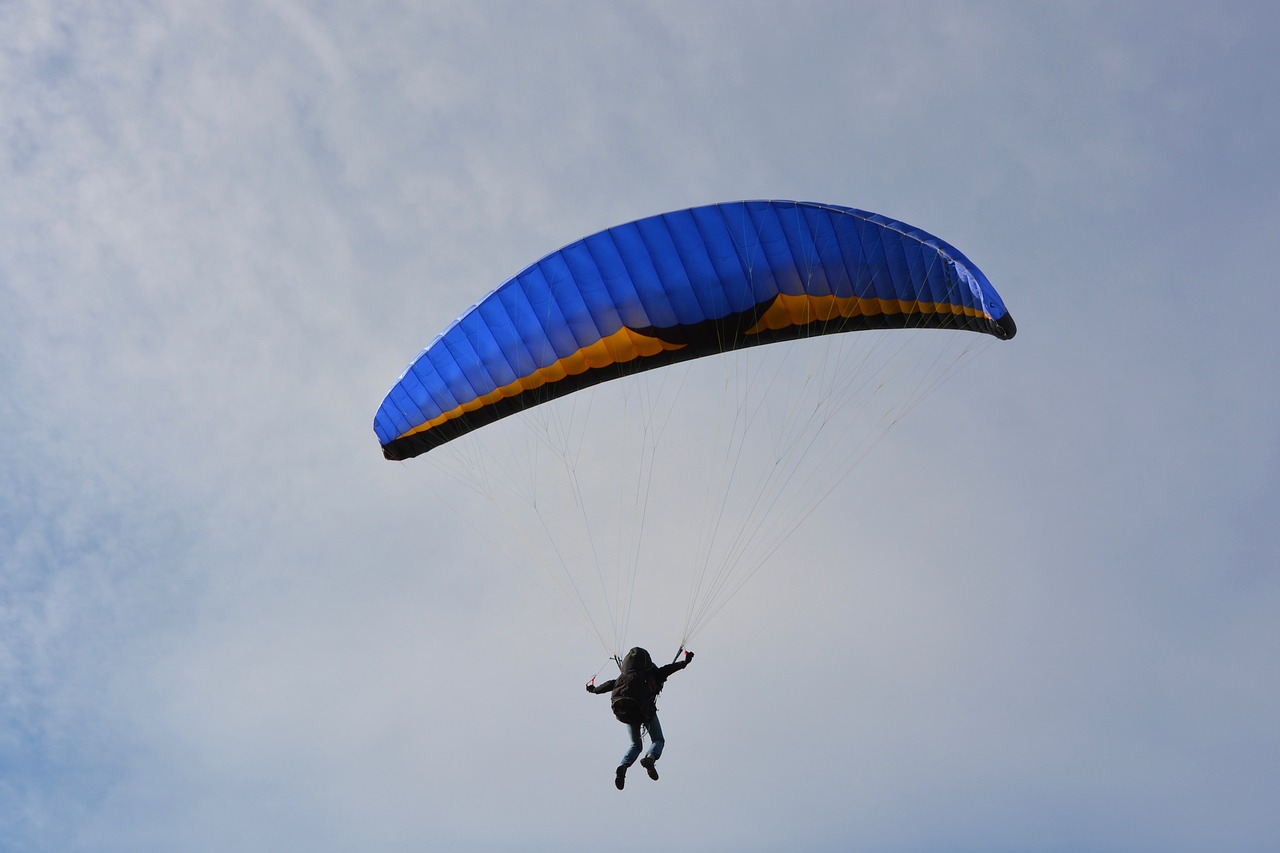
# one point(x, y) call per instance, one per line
point(1041, 610)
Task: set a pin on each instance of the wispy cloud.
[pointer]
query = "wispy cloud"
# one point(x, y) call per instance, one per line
point(1042, 613)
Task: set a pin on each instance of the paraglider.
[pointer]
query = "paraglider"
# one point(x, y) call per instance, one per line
point(632, 697)
point(678, 286)
point(678, 289)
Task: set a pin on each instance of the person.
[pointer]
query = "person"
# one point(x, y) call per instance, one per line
point(632, 696)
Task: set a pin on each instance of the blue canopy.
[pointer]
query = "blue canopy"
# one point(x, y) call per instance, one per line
point(677, 286)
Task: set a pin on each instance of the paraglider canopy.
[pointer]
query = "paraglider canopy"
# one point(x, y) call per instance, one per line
point(678, 286)
point(760, 435)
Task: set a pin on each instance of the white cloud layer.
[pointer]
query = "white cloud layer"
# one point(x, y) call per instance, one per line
point(1043, 615)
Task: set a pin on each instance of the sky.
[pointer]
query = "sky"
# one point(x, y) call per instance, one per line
point(1043, 615)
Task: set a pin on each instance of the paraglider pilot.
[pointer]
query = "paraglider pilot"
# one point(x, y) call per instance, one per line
point(632, 696)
